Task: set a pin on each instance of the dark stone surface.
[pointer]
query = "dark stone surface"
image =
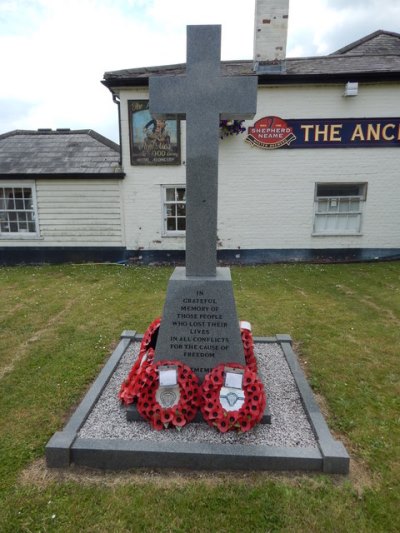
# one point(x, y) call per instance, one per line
point(132, 415)
point(123, 455)
point(200, 325)
point(336, 460)
point(58, 449)
point(202, 96)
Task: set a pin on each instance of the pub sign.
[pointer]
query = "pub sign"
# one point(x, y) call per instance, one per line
point(274, 132)
point(152, 141)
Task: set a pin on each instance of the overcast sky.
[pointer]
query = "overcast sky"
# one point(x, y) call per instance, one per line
point(54, 52)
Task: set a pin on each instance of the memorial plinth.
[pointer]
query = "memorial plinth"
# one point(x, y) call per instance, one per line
point(200, 325)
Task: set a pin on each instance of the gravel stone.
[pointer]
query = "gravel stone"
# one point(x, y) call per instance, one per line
point(289, 428)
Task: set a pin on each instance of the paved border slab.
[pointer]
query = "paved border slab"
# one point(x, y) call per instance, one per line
point(65, 447)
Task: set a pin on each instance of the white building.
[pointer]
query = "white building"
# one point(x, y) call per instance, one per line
point(315, 176)
point(60, 197)
point(320, 179)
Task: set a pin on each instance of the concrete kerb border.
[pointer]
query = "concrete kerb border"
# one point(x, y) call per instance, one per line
point(65, 447)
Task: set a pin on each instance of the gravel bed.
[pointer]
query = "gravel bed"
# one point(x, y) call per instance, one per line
point(289, 428)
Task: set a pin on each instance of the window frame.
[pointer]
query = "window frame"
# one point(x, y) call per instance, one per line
point(361, 197)
point(164, 202)
point(23, 234)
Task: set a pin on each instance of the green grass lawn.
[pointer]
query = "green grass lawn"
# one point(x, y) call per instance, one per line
point(58, 324)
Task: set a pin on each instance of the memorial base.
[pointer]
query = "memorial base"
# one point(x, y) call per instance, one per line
point(70, 446)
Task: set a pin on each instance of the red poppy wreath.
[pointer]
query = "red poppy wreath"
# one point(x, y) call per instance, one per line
point(128, 391)
point(251, 405)
point(180, 403)
point(142, 385)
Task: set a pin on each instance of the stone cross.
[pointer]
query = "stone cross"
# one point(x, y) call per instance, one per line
point(203, 97)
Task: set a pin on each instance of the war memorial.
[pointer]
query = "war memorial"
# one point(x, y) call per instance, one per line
point(196, 390)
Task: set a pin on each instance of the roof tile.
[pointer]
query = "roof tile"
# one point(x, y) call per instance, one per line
point(377, 53)
point(57, 152)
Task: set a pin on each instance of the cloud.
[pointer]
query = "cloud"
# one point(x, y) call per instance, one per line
point(236, 16)
point(60, 62)
point(19, 17)
point(12, 111)
point(58, 50)
point(318, 27)
point(363, 18)
point(308, 23)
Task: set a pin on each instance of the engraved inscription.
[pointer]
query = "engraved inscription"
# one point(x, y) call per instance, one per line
point(202, 326)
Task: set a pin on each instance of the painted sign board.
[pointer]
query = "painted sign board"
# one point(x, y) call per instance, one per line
point(152, 142)
point(274, 132)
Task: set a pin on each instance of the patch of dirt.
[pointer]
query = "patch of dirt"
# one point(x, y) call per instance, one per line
point(346, 290)
point(12, 310)
point(382, 310)
point(369, 302)
point(40, 476)
point(360, 476)
point(21, 350)
point(112, 346)
point(323, 406)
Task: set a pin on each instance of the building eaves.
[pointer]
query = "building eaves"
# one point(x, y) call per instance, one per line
point(375, 57)
point(52, 176)
point(313, 69)
point(140, 76)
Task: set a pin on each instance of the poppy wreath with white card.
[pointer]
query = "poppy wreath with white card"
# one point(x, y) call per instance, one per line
point(128, 390)
point(233, 398)
point(168, 394)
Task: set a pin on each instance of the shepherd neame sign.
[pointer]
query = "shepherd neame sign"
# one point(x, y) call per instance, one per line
point(274, 132)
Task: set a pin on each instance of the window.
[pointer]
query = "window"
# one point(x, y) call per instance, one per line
point(338, 208)
point(174, 210)
point(17, 211)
